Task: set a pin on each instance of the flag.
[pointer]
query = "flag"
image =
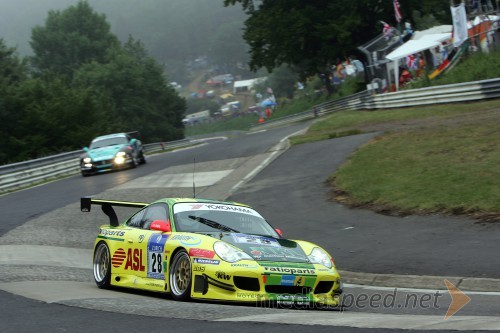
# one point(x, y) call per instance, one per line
point(397, 10)
point(411, 62)
point(460, 31)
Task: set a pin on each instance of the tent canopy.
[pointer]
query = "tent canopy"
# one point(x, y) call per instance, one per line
point(440, 29)
point(436, 37)
point(411, 47)
point(247, 84)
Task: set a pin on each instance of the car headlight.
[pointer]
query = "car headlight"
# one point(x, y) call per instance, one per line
point(319, 256)
point(120, 157)
point(229, 253)
point(87, 160)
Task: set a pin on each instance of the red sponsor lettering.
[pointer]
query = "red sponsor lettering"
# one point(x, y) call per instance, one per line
point(202, 253)
point(134, 260)
point(196, 206)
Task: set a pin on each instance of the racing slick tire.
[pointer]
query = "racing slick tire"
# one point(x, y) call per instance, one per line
point(142, 159)
point(102, 265)
point(134, 163)
point(180, 276)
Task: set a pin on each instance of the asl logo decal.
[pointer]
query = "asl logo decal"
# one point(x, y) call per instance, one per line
point(118, 258)
point(134, 260)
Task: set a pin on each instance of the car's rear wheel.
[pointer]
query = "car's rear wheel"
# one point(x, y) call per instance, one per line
point(180, 276)
point(134, 163)
point(142, 159)
point(102, 265)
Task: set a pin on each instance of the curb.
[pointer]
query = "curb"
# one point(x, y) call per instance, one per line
point(420, 281)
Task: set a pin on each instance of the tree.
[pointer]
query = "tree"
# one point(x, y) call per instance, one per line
point(283, 81)
point(12, 73)
point(39, 121)
point(134, 84)
point(71, 38)
point(312, 35)
point(201, 104)
point(12, 69)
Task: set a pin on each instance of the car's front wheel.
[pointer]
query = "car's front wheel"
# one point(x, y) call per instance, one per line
point(180, 276)
point(102, 265)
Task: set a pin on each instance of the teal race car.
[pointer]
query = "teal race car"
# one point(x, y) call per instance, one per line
point(112, 152)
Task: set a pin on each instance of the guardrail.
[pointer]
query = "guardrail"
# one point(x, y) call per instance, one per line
point(18, 175)
point(452, 93)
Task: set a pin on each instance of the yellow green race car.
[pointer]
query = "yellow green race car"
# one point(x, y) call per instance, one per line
point(209, 250)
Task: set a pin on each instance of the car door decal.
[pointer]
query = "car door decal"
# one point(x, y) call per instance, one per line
point(156, 256)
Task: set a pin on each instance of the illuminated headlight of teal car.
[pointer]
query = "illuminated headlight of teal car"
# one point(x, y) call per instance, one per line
point(120, 157)
point(319, 256)
point(229, 253)
point(87, 162)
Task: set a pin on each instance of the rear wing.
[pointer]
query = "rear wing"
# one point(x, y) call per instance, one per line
point(107, 207)
point(135, 135)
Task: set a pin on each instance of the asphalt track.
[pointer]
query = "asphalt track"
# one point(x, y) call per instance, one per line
point(362, 240)
point(370, 249)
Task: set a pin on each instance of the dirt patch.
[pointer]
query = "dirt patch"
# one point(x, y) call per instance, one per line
point(345, 199)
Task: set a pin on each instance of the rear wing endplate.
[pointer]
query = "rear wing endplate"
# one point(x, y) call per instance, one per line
point(107, 207)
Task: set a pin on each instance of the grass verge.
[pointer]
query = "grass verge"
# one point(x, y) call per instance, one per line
point(363, 121)
point(440, 159)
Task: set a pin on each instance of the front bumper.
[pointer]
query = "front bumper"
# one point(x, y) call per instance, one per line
point(104, 165)
point(248, 281)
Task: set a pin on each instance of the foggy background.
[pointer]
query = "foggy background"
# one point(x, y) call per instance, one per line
point(174, 32)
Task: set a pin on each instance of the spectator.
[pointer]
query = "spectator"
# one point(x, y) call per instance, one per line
point(268, 112)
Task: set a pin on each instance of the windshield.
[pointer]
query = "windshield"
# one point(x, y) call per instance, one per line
point(209, 217)
point(99, 143)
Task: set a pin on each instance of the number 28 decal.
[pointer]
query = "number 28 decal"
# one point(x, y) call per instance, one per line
point(156, 249)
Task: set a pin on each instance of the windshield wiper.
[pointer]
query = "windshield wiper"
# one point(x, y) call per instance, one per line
point(212, 224)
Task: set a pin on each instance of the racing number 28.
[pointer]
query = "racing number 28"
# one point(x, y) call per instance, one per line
point(156, 263)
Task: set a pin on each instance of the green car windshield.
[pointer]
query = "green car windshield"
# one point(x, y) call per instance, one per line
point(214, 217)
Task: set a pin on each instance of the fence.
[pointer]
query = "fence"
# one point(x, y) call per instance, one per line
point(23, 174)
point(452, 93)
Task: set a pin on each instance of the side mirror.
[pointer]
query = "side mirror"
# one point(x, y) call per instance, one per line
point(161, 225)
point(279, 232)
point(86, 149)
